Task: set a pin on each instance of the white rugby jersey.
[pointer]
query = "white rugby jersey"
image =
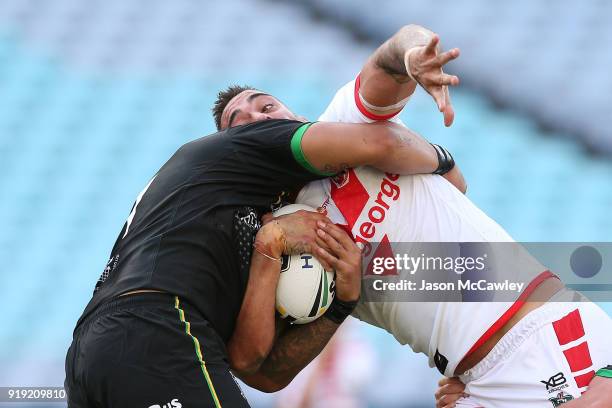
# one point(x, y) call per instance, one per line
point(379, 207)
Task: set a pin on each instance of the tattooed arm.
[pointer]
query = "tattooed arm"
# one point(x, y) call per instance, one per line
point(331, 147)
point(295, 348)
point(409, 57)
point(269, 365)
point(255, 327)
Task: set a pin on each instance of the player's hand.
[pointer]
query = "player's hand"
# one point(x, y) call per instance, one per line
point(344, 256)
point(598, 395)
point(425, 65)
point(293, 233)
point(450, 390)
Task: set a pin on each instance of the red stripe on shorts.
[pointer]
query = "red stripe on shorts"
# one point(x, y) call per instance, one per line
point(569, 328)
point(584, 379)
point(578, 357)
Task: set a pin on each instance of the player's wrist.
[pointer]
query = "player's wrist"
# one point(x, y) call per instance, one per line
point(339, 310)
point(446, 162)
point(270, 240)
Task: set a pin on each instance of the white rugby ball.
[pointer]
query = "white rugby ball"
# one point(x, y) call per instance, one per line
point(305, 290)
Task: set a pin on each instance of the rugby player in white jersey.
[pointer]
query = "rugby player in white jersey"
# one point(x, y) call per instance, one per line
point(527, 353)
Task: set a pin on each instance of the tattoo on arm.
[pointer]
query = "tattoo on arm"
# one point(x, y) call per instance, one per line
point(297, 347)
point(333, 168)
point(390, 56)
point(392, 62)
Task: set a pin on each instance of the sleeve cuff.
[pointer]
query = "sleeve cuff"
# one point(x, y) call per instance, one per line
point(363, 109)
point(298, 154)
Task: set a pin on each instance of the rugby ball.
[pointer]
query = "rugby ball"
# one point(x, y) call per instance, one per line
point(305, 290)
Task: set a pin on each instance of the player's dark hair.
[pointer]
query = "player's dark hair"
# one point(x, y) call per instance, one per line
point(223, 99)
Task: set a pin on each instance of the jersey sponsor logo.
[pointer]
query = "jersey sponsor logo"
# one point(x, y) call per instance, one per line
point(560, 398)
point(341, 179)
point(172, 404)
point(555, 383)
point(388, 192)
point(111, 265)
point(352, 200)
point(250, 220)
point(323, 207)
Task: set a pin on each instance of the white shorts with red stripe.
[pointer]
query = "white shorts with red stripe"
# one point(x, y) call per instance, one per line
point(546, 359)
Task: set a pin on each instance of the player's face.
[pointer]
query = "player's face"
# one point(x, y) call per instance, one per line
point(252, 106)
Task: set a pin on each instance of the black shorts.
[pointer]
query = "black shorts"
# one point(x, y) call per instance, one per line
point(149, 350)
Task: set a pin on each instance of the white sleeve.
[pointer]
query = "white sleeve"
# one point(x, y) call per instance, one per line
point(347, 107)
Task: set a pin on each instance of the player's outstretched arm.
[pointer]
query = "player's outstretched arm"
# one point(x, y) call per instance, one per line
point(409, 57)
point(330, 147)
point(300, 344)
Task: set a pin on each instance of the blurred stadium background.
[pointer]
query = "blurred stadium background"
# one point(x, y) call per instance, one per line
point(96, 95)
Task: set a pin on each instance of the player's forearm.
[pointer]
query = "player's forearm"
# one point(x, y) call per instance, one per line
point(292, 351)
point(406, 153)
point(390, 56)
point(255, 327)
point(384, 80)
point(332, 147)
point(455, 177)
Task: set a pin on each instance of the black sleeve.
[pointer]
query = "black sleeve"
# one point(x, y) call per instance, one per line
point(275, 147)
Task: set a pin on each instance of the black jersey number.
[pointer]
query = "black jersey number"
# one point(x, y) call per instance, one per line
point(130, 218)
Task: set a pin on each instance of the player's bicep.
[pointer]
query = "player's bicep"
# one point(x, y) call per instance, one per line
point(329, 148)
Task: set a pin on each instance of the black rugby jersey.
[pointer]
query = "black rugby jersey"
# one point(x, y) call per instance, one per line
point(190, 231)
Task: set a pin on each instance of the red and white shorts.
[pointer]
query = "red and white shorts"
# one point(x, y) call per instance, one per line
point(546, 359)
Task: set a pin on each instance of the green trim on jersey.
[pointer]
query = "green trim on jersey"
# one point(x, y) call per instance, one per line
point(298, 154)
point(604, 372)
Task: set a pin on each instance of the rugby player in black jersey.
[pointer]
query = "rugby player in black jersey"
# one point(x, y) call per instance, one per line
point(155, 331)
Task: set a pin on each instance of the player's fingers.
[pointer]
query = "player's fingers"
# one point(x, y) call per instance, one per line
point(454, 388)
point(431, 47)
point(449, 386)
point(339, 235)
point(336, 248)
point(445, 80)
point(449, 111)
point(447, 56)
point(315, 253)
point(321, 244)
point(448, 401)
point(442, 381)
point(441, 402)
point(437, 93)
point(328, 258)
